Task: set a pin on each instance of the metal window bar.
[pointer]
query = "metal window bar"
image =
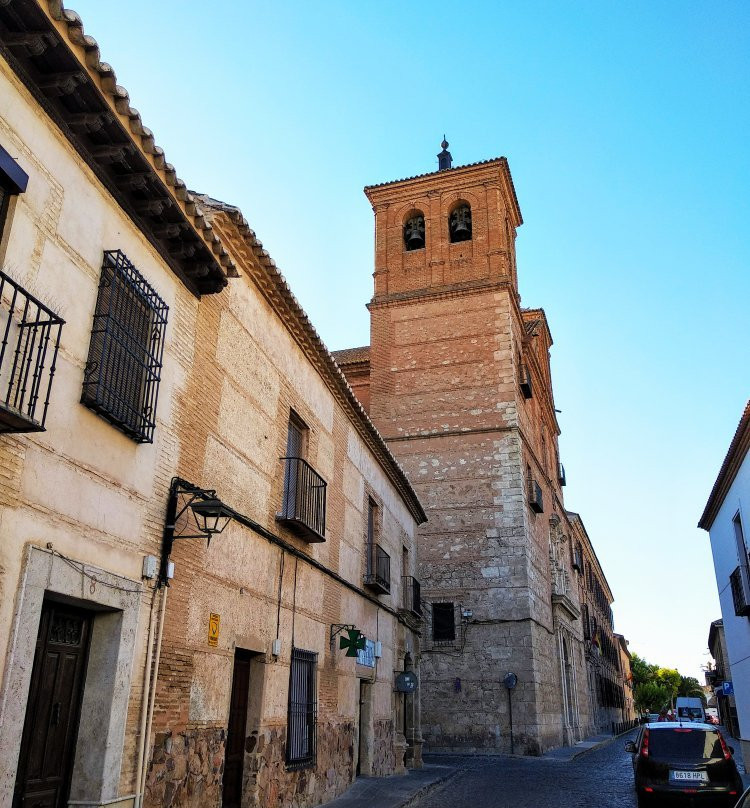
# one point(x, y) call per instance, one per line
point(29, 343)
point(304, 502)
point(301, 746)
point(123, 371)
point(739, 593)
point(412, 595)
point(378, 567)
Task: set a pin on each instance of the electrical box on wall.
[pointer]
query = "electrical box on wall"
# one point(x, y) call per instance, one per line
point(276, 647)
point(150, 566)
point(378, 650)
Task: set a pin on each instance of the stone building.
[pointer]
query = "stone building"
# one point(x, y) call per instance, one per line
point(457, 379)
point(321, 540)
point(195, 511)
point(629, 712)
point(104, 264)
point(602, 647)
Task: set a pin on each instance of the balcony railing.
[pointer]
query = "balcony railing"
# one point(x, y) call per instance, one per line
point(740, 597)
point(29, 341)
point(412, 596)
point(303, 508)
point(378, 575)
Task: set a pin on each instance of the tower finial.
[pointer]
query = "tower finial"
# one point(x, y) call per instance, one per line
point(444, 158)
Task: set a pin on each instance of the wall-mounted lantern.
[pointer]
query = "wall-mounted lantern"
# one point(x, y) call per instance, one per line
point(210, 515)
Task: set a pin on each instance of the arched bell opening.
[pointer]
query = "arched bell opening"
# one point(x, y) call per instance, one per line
point(459, 223)
point(414, 238)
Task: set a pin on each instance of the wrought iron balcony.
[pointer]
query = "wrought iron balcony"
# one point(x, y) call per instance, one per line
point(412, 595)
point(29, 341)
point(378, 575)
point(740, 596)
point(303, 508)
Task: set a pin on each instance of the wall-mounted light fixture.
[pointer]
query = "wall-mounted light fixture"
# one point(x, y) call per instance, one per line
point(209, 514)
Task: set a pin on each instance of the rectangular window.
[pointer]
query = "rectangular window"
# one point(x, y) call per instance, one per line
point(443, 622)
point(123, 370)
point(303, 708)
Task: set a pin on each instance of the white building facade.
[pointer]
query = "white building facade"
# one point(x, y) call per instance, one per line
point(727, 519)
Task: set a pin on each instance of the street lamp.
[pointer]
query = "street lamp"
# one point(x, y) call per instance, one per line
point(210, 514)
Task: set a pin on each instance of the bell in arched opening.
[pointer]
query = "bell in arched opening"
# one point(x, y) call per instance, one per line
point(459, 223)
point(414, 232)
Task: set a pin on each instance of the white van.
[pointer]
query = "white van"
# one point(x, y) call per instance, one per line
point(690, 708)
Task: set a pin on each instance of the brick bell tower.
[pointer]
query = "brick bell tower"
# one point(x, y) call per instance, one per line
point(456, 379)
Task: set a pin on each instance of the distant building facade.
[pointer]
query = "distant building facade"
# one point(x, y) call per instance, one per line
point(607, 678)
point(726, 517)
point(716, 676)
point(457, 379)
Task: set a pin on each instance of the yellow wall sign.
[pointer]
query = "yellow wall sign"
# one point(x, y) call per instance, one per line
point(214, 622)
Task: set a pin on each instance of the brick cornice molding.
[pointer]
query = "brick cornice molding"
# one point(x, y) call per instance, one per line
point(438, 293)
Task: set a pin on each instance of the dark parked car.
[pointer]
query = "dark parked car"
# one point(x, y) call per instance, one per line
point(744, 800)
point(683, 764)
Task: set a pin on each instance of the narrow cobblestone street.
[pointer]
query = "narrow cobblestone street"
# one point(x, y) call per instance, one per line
point(602, 778)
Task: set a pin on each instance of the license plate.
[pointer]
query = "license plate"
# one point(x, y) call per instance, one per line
point(690, 777)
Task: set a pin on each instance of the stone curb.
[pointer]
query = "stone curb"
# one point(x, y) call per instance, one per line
point(427, 788)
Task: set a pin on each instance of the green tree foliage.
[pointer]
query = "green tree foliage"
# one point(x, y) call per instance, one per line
point(670, 679)
point(690, 686)
point(642, 671)
point(651, 697)
point(655, 688)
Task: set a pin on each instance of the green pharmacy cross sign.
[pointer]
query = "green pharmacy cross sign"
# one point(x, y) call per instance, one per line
point(354, 640)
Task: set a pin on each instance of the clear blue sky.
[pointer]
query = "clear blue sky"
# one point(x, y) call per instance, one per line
point(626, 128)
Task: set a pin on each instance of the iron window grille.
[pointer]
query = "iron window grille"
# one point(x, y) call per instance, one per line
point(29, 342)
point(378, 574)
point(304, 505)
point(412, 595)
point(301, 746)
point(122, 374)
point(443, 623)
point(536, 499)
point(739, 593)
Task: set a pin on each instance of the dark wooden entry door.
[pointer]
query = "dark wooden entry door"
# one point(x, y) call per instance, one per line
point(53, 708)
point(234, 756)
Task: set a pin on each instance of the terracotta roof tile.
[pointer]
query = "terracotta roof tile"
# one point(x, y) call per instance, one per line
point(350, 356)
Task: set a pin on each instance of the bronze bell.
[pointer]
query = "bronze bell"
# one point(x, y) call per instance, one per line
point(414, 233)
point(460, 223)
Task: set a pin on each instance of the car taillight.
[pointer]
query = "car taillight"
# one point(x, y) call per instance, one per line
point(724, 748)
point(644, 744)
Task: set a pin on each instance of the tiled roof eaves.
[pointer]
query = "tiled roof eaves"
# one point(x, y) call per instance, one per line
point(433, 173)
point(367, 429)
point(738, 449)
point(352, 356)
point(142, 136)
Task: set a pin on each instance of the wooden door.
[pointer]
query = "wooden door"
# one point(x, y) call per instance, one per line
point(53, 708)
point(234, 756)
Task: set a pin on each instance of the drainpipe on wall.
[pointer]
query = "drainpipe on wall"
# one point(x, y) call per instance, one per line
point(149, 696)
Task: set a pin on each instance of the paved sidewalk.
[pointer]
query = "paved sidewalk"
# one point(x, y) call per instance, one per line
point(395, 792)
point(565, 753)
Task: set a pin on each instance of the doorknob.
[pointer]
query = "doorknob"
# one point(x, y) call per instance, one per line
point(55, 717)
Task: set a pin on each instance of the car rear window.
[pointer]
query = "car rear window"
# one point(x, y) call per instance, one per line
point(685, 743)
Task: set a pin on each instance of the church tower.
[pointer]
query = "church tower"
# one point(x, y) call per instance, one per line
point(457, 380)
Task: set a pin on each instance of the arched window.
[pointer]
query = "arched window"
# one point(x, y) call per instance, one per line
point(414, 231)
point(459, 223)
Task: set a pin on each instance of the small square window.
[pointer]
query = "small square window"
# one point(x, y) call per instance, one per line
point(122, 374)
